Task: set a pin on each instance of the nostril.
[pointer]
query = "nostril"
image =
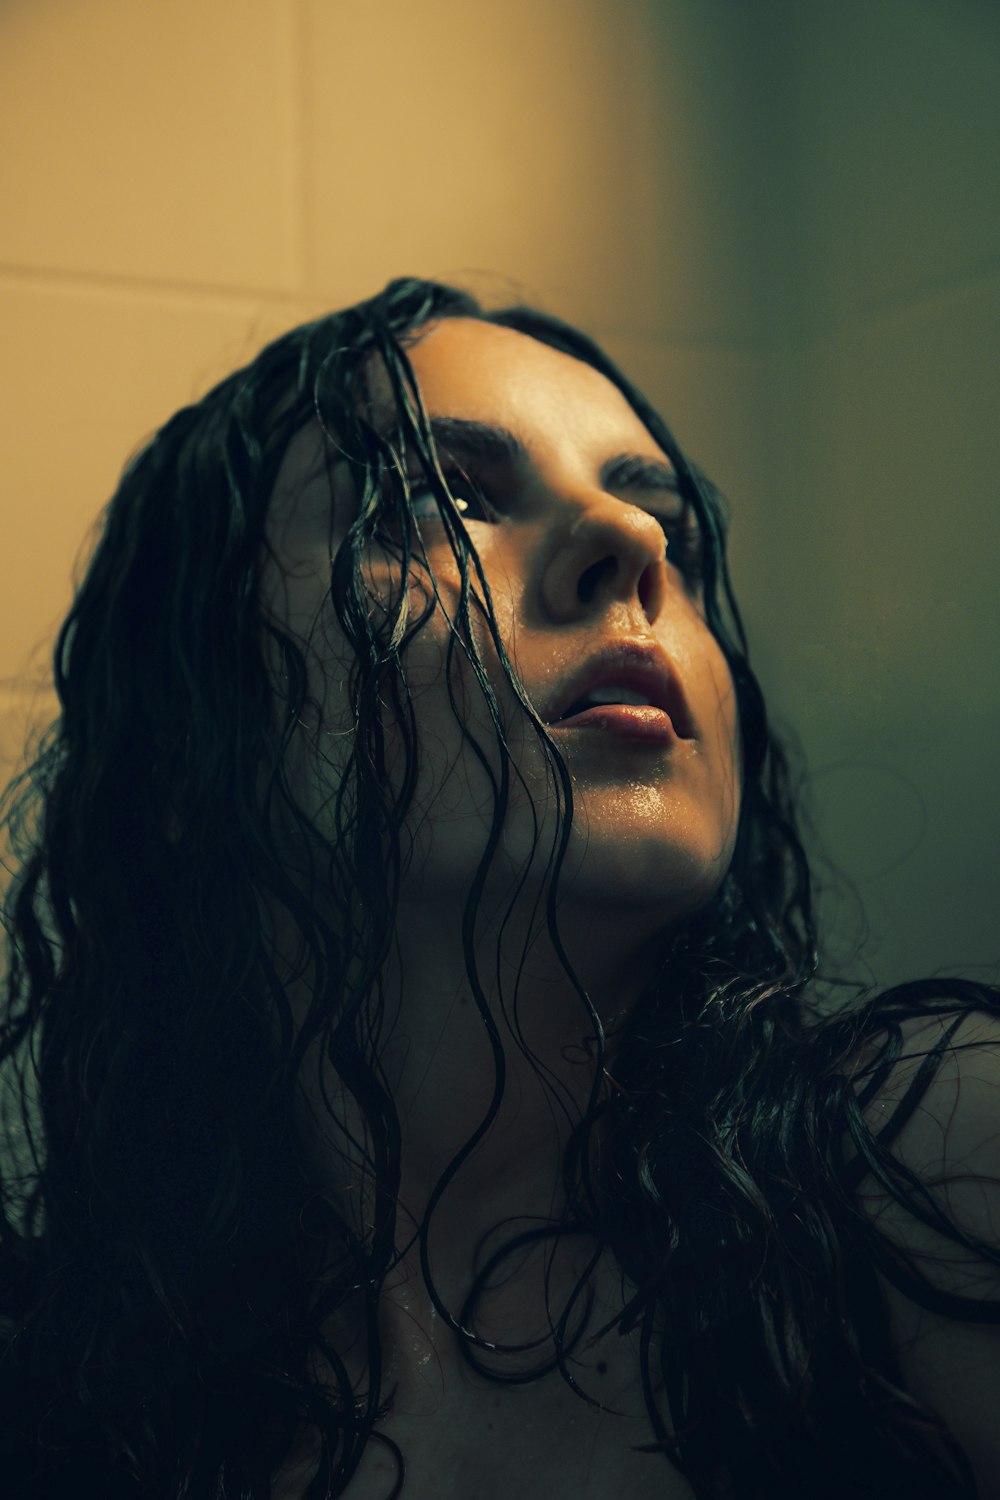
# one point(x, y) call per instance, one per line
point(647, 590)
point(591, 577)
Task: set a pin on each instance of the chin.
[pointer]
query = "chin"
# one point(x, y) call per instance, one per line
point(674, 878)
point(661, 857)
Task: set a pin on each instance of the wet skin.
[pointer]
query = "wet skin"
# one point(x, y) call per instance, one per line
point(574, 552)
point(572, 567)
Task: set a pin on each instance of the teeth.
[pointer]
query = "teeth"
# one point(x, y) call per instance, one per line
point(613, 694)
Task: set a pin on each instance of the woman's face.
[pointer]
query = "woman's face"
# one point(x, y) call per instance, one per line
point(573, 549)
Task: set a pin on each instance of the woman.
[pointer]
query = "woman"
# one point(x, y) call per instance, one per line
point(415, 945)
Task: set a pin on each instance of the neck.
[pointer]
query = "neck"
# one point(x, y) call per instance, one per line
point(444, 1080)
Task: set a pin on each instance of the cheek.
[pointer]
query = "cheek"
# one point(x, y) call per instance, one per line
point(727, 747)
point(449, 780)
point(728, 716)
point(460, 763)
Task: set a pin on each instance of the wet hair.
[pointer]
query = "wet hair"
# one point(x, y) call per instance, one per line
point(166, 1261)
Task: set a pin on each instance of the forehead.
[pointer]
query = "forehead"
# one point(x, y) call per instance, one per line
point(483, 372)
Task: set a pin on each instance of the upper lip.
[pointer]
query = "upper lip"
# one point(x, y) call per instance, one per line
point(641, 667)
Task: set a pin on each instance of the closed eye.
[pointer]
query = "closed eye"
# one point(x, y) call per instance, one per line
point(685, 549)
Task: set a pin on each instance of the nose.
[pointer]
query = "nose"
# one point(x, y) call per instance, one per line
point(608, 551)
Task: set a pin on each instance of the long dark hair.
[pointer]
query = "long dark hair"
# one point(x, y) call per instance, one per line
point(166, 1262)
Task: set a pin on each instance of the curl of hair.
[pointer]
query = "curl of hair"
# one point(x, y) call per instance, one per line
point(166, 1263)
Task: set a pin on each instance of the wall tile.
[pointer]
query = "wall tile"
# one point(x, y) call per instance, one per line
point(912, 485)
point(23, 716)
point(893, 120)
point(595, 153)
point(155, 142)
point(87, 375)
point(891, 673)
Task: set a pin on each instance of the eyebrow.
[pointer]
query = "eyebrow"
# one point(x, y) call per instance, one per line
point(495, 444)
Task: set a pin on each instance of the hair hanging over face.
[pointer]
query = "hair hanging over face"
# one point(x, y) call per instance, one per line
point(166, 1262)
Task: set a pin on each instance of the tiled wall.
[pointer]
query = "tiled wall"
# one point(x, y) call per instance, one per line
point(780, 215)
point(889, 656)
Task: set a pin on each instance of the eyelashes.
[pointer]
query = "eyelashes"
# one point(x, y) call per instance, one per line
point(470, 502)
point(685, 550)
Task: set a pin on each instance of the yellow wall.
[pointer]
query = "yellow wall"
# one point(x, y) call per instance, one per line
point(780, 215)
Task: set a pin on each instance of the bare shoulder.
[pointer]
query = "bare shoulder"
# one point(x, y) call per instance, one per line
point(950, 1141)
point(951, 1137)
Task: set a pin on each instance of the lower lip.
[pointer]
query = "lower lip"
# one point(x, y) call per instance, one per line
point(633, 720)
